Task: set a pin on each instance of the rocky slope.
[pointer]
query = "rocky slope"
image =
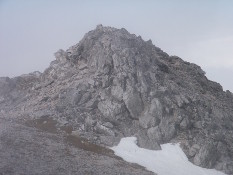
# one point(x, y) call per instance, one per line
point(28, 151)
point(113, 84)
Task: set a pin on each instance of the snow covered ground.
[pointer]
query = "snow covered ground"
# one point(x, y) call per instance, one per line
point(171, 160)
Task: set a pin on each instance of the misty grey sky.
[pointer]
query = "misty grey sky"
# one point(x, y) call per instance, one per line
point(198, 31)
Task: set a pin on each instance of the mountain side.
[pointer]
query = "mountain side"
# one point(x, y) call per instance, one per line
point(27, 150)
point(113, 84)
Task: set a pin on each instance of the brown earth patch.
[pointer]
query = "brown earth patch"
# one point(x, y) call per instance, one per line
point(44, 123)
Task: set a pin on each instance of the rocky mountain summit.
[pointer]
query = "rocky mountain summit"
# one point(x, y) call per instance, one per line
point(113, 84)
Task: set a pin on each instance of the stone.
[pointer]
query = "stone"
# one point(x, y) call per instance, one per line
point(117, 92)
point(113, 84)
point(185, 124)
point(133, 103)
point(152, 116)
point(147, 120)
point(193, 150)
point(168, 130)
point(90, 123)
point(154, 133)
point(109, 140)
point(144, 142)
point(156, 108)
point(2, 99)
point(99, 128)
point(110, 108)
point(61, 55)
point(77, 97)
point(198, 124)
point(207, 156)
point(108, 125)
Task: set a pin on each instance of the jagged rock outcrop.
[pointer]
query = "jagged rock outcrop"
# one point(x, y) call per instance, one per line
point(114, 84)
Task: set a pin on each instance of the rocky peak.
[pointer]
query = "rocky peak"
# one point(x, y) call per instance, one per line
point(114, 84)
point(61, 56)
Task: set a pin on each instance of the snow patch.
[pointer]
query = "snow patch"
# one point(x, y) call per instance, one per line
point(171, 160)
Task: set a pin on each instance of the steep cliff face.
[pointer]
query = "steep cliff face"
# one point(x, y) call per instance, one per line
point(113, 84)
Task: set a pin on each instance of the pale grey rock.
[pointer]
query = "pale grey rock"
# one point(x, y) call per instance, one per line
point(108, 125)
point(156, 108)
point(133, 103)
point(193, 150)
point(168, 130)
point(207, 155)
point(76, 97)
point(198, 124)
point(181, 100)
point(117, 92)
point(147, 143)
point(147, 120)
point(185, 123)
point(152, 116)
point(113, 84)
point(61, 56)
point(2, 99)
point(90, 123)
point(109, 108)
point(101, 129)
point(154, 133)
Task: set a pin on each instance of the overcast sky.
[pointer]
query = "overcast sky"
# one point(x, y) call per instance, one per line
point(198, 31)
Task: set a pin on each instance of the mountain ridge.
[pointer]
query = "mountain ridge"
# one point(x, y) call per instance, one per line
point(113, 84)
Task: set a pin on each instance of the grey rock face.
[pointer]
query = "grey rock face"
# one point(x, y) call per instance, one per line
point(113, 84)
point(133, 103)
point(206, 156)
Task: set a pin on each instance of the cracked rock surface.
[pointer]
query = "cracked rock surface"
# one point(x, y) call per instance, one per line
point(113, 84)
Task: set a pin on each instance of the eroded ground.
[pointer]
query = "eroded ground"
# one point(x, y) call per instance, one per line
point(38, 148)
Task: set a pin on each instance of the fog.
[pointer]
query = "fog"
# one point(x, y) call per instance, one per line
point(197, 31)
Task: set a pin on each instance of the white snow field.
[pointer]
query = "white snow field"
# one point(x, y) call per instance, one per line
point(171, 160)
